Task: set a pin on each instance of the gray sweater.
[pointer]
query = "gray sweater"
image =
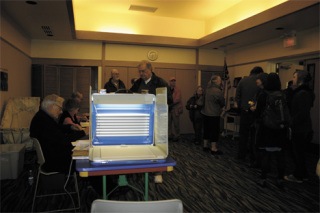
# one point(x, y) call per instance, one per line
point(213, 102)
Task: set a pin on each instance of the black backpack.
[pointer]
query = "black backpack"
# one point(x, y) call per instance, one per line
point(276, 114)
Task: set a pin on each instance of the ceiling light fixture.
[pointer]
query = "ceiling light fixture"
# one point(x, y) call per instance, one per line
point(143, 8)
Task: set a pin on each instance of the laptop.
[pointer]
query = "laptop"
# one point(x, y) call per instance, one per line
point(129, 128)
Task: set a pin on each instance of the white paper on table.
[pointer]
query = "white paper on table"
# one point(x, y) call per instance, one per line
point(81, 145)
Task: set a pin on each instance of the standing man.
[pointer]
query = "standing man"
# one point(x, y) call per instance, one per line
point(175, 110)
point(246, 91)
point(114, 83)
point(147, 83)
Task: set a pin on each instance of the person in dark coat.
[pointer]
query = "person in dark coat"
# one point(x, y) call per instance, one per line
point(114, 84)
point(194, 105)
point(55, 139)
point(301, 104)
point(270, 142)
point(246, 92)
point(148, 83)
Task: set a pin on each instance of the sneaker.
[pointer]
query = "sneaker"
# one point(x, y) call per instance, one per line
point(292, 178)
point(158, 179)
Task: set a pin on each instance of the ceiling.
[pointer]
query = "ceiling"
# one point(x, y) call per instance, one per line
point(54, 20)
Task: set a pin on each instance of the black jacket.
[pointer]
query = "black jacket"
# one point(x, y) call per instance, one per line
point(55, 141)
point(301, 103)
point(154, 83)
point(110, 87)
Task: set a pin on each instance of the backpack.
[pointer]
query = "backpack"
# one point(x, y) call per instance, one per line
point(276, 114)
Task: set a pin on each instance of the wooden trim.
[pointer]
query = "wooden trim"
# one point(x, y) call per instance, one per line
point(302, 56)
point(110, 63)
point(68, 62)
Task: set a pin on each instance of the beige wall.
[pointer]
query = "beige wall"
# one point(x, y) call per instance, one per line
point(137, 53)
point(66, 49)
point(14, 51)
point(307, 42)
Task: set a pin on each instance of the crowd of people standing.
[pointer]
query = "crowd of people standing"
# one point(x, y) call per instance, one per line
point(58, 120)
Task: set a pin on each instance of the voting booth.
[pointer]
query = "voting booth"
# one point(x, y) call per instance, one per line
point(127, 128)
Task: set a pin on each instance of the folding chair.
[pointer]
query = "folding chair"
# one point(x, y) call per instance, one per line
point(58, 183)
point(108, 206)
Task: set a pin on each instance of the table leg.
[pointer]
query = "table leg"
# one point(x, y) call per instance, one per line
point(104, 187)
point(146, 186)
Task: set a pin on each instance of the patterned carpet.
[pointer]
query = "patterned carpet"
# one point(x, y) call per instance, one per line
point(203, 182)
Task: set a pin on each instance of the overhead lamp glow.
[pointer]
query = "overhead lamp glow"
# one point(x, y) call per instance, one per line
point(117, 30)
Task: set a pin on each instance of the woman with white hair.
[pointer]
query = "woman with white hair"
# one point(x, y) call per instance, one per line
point(55, 139)
point(214, 101)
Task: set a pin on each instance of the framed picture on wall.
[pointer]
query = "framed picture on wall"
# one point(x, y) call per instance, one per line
point(311, 68)
point(3, 80)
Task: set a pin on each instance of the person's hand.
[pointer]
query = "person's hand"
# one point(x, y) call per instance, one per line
point(76, 127)
point(86, 130)
point(253, 108)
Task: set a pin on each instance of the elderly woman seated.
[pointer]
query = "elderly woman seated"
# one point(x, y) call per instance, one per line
point(69, 115)
point(55, 139)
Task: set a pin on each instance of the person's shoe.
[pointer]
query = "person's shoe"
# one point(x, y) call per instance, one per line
point(292, 178)
point(262, 183)
point(280, 183)
point(158, 179)
point(205, 149)
point(218, 152)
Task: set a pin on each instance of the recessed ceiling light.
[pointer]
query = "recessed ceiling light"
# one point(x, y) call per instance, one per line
point(32, 2)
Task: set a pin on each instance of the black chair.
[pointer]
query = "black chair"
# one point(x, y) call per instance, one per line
point(53, 185)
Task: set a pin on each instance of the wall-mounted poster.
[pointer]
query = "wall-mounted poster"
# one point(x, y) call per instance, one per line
point(3, 80)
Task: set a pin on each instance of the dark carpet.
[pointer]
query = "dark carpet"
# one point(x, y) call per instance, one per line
point(203, 183)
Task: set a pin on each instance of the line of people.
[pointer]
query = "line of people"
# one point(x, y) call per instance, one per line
point(204, 112)
point(258, 140)
point(261, 142)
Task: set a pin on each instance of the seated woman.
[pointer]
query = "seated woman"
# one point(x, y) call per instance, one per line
point(55, 139)
point(69, 115)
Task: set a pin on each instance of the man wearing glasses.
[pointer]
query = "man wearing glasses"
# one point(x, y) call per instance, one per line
point(147, 83)
point(55, 139)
